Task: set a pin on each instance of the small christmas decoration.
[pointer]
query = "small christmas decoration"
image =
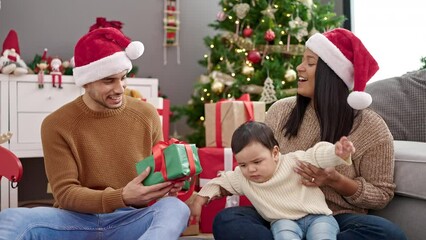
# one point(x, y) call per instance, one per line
point(269, 35)
point(10, 60)
point(241, 10)
point(217, 87)
point(55, 72)
point(269, 12)
point(268, 94)
point(290, 75)
point(254, 56)
point(42, 67)
point(247, 32)
point(171, 28)
point(247, 70)
point(299, 28)
point(221, 16)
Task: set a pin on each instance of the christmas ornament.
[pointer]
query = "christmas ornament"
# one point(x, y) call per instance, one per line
point(221, 16)
point(268, 94)
point(230, 66)
point(203, 79)
point(269, 12)
point(254, 56)
point(221, 77)
point(269, 35)
point(290, 75)
point(171, 28)
point(217, 87)
point(298, 28)
point(252, 89)
point(241, 10)
point(247, 32)
point(247, 70)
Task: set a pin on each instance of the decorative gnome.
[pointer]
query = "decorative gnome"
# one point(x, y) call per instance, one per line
point(10, 60)
point(55, 72)
point(43, 65)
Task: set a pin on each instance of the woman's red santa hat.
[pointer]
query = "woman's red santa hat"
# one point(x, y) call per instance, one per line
point(345, 54)
point(103, 52)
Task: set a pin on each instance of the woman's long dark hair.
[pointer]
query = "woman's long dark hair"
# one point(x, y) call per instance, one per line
point(335, 116)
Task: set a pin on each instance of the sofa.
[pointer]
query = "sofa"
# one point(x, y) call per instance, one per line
point(401, 101)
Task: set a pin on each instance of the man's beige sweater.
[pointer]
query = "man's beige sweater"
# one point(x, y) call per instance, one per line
point(283, 196)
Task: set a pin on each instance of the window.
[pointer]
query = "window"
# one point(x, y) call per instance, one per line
point(393, 31)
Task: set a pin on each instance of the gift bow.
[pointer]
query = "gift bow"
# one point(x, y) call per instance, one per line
point(245, 98)
point(101, 22)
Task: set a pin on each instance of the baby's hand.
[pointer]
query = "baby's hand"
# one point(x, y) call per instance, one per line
point(344, 148)
point(195, 207)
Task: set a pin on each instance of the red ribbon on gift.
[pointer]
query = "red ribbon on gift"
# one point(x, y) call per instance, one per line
point(160, 164)
point(245, 98)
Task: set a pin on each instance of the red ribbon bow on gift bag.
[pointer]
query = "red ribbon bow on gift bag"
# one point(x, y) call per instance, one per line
point(101, 22)
point(160, 165)
point(245, 98)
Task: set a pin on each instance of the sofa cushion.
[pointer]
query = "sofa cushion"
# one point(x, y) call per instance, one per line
point(401, 102)
point(410, 169)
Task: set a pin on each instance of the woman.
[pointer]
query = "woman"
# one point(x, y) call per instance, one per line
point(324, 110)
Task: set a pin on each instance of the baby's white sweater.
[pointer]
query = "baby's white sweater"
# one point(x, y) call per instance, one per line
point(283, 196)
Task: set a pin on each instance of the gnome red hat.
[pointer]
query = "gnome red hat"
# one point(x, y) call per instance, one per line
point(44, 57)
point(103, 52)
point(345, 54)
point(11, 42)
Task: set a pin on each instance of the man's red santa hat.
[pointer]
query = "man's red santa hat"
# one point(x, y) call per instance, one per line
point(103, 52)
point(345, 54)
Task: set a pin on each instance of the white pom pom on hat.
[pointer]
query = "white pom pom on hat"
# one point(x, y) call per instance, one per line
point(347, 56)
point(134, 50)
point(103, 52)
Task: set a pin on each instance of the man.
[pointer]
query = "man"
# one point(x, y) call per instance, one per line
point(91, 146)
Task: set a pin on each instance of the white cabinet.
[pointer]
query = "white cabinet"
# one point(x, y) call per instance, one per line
point(24, 106)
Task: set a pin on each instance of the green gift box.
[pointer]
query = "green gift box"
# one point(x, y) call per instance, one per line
point(176, 162)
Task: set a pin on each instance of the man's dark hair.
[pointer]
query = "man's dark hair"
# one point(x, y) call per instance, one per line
point(335, 116)
point(252, 131)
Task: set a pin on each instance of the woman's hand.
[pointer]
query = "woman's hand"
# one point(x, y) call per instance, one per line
point(314, 176)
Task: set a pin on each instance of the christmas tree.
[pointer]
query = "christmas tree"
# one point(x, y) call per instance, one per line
point(258, 41)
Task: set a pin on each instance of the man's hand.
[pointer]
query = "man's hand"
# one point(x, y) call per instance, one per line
point(177, 187)
point(137, 195)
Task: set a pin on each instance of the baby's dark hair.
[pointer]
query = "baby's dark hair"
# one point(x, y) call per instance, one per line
point(252, 131)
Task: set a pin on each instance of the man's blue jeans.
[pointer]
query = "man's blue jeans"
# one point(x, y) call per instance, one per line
point(245, 223)
point(310, 227)
point(166, 219)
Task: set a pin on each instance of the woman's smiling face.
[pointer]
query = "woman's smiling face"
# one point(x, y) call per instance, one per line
point(306, 73)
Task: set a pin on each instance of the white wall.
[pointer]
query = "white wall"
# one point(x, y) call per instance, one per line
point(393, 31)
